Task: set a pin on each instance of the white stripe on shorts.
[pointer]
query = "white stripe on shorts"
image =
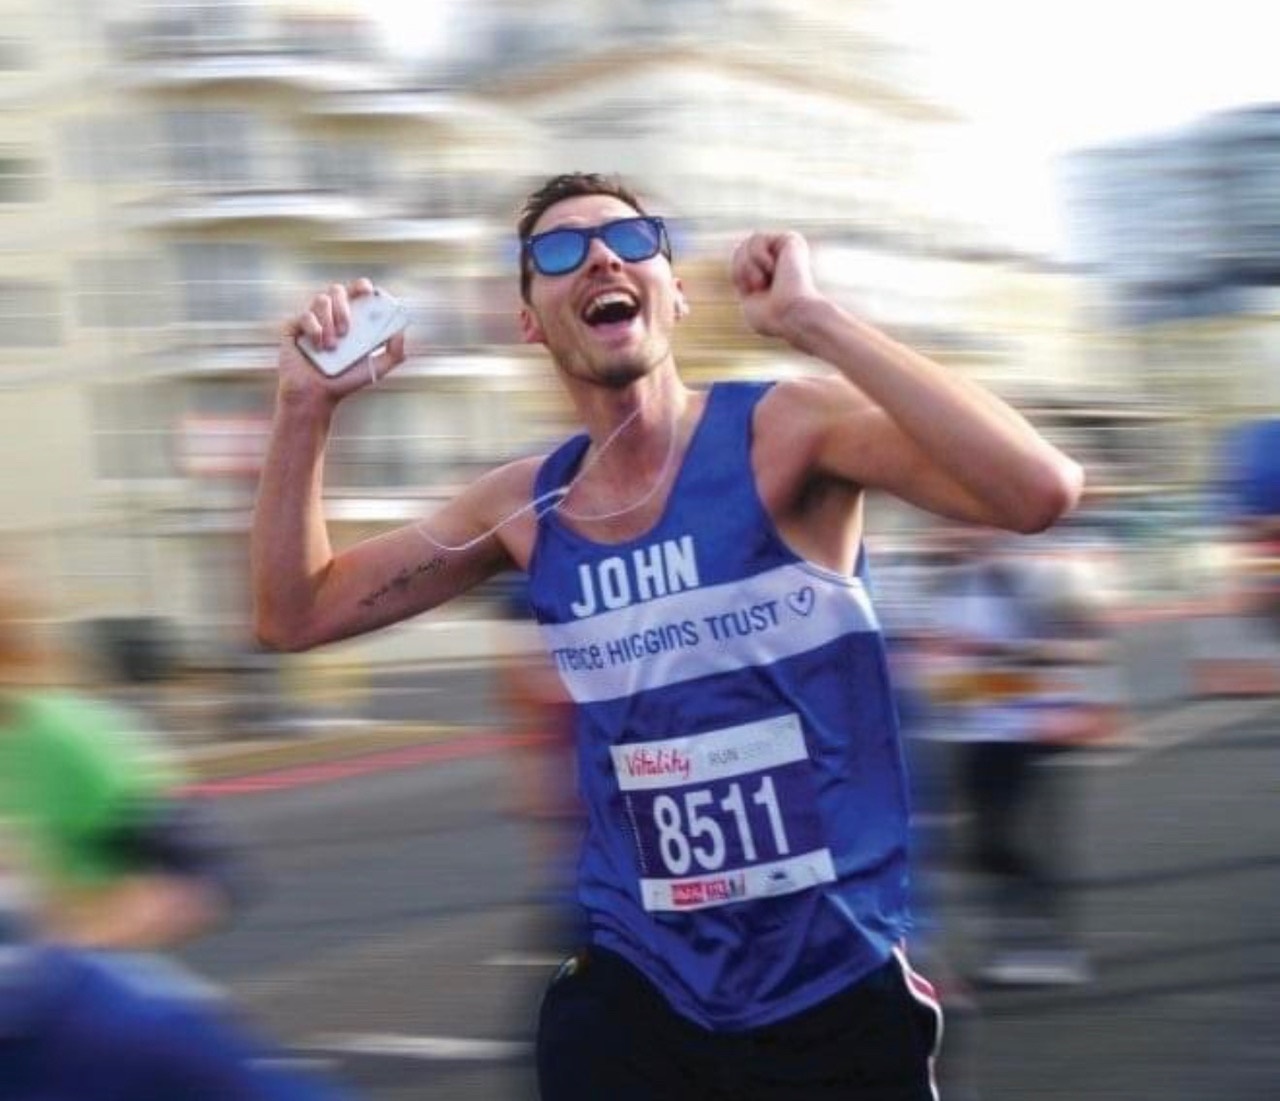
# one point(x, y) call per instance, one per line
point(922, 991)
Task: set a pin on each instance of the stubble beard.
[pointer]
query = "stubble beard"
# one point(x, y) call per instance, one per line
point(620, 372)
point(618, 376)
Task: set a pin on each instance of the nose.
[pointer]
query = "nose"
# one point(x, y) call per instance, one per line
point(601, 256)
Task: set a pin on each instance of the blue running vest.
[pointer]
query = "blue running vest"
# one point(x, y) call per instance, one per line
point(738, 750)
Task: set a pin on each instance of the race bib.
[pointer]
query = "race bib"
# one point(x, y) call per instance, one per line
point(724, 816)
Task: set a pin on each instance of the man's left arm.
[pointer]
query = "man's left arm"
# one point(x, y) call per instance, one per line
point(140, 911)
point(929, 436)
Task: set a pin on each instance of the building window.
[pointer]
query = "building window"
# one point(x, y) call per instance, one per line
point(223, 282)
point(317, 276)
point(22, 179)
point(119, 292)
point(413, 439)
point(15, 55)
point(133, 430)
point(210, 149)
point(344, 168)
point(103, 149)
point(30, 316)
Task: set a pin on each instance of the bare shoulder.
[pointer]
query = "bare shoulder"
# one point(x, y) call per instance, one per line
point(507, 486)
point(818, 394)
point(816, 509)
point(796, 416)
point(502, 501)
point(813, 398)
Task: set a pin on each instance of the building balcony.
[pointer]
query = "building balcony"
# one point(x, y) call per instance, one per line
point(180, 207)
point(215, 44)
point(306, 74)
point(406, 229)
point(411, 104)
point(335, 214)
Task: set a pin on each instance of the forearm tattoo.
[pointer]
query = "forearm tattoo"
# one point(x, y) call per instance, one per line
point(401, 582)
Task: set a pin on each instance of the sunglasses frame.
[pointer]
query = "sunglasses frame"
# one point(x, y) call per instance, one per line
point(586, 234)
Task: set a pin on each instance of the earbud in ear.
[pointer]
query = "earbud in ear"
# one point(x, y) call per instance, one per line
point(682, 309)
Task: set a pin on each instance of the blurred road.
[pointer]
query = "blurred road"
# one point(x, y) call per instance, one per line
point(398, 937)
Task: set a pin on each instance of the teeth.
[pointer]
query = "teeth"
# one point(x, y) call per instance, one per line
point(605, 299)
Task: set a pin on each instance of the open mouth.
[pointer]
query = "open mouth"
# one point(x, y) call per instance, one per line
point(610, 308)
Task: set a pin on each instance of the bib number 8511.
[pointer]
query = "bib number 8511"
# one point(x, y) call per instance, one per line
point(693, 832)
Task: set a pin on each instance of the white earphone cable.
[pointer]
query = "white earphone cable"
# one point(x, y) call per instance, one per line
point(558, 495)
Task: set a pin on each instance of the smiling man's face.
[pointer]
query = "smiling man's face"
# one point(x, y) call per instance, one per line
point(608, 322)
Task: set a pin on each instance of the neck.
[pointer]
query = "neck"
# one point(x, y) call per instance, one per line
point(637, 437)
point(631, 429)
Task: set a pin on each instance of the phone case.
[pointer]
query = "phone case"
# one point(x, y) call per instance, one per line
point(375, 318)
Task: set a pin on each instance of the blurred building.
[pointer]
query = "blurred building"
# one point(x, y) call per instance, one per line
point(733, 115)
point(175, 177)
point(1181, 235)
point(180, 176)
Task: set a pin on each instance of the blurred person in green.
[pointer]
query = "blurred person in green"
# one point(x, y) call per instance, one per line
point(119, 859)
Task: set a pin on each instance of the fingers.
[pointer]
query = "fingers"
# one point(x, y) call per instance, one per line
point(753, 264)
point(793, 249)
point(323, 324)
point(328, 315)
point(756, 260)
point(391, 356)
point(380, 362)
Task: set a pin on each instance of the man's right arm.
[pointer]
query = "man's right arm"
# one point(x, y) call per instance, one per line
point(304, 593)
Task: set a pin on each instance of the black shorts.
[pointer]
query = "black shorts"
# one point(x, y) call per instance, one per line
point(607, 1034)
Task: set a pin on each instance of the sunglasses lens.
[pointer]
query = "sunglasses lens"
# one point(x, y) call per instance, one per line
point(634, 239)
point(558, 252)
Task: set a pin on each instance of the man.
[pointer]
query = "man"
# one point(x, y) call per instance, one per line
point(692, 560)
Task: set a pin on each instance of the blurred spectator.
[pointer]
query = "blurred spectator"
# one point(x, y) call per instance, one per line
point(1250, 488)
point(1020, 676)
point(135, 650)
point(544, 768)
point(900, 586)
point(81, 1026)
point(120, 861)
point(1259, 564)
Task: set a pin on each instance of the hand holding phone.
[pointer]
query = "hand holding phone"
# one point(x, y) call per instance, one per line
point(375, 318)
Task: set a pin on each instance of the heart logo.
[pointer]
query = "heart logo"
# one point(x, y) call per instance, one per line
point(801, 601)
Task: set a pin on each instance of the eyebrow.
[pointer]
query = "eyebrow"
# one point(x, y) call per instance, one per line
point(586, 224)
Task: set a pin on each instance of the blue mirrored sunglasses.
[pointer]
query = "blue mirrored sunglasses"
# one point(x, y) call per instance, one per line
point(560, 251)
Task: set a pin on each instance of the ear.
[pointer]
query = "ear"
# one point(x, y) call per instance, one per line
point(530, 329)
point(682, 303)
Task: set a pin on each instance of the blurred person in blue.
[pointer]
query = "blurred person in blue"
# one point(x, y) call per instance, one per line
point(77, 1025)
point(1249, 488)
point(1021, 671)
point(119, 859)
point(695, 563)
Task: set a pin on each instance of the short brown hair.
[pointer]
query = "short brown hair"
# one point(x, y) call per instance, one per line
point(569, 185)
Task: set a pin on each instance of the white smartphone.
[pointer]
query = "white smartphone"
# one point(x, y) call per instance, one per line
point(375, 319)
